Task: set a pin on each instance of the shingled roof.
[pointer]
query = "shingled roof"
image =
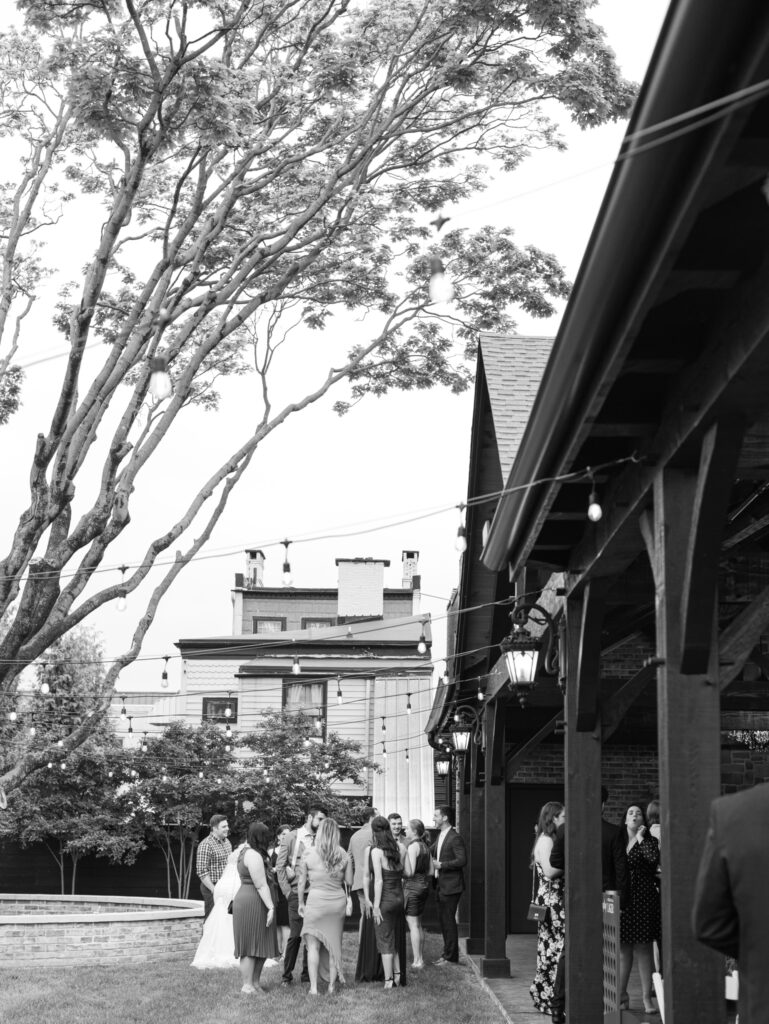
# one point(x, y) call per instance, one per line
point(514, 365)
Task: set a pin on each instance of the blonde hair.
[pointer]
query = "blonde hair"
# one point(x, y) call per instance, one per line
point(327, 845)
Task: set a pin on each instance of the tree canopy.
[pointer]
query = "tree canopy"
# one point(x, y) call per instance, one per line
point(258, 164)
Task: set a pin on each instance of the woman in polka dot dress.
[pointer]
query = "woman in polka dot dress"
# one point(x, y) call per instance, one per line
point(640, 921)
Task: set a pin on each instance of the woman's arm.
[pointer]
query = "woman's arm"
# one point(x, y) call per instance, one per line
point(301, 884)
point(255, 865)
point(650, 849)
point(366, 880)
point(348, 874)
point(376, 859)
point(542, 852)
point(410, 861)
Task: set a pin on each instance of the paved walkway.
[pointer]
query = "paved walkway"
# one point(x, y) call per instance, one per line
point(512, 994)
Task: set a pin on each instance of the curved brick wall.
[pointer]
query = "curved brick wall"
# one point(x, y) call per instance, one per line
point(63, 931)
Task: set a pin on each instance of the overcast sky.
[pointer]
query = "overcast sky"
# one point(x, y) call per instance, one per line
point(388, 459)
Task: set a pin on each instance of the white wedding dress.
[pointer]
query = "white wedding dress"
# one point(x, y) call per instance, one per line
point(217, 945)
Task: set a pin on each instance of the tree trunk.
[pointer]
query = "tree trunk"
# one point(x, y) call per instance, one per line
point(75, 859)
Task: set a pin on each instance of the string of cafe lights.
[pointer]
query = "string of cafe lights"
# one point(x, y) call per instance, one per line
point(587, 474)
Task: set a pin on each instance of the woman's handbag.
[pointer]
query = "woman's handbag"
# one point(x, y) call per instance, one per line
point(536, 911)
point(229, 908)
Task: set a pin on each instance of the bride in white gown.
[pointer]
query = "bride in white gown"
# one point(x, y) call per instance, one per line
point(217, 946)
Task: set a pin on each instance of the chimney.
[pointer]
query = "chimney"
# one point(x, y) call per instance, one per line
point(254, 568)
point(410, 568)
point(361, 587)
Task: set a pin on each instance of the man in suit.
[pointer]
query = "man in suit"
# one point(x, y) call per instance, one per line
point(731, 899)
point(614, 878)
point(449, 858)
point(359, 840)
point(292, 848)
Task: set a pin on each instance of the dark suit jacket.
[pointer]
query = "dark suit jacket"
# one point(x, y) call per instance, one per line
point(731, 899)
point(451, 877)
point(614, 873)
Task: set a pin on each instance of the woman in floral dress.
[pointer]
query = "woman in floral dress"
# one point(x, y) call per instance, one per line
point(549, 893)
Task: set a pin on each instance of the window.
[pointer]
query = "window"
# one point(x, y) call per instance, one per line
point(215, 708)
point(314, 623)
point(307, 698)
point(264, 624)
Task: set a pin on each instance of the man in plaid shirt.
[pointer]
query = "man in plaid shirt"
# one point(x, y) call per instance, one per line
point(212, 860)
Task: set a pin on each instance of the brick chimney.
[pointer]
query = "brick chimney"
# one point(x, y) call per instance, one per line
point(361, 587)
point(254, 568)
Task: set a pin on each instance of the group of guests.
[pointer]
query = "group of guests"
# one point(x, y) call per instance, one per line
point(630, 857)
point(260, 903)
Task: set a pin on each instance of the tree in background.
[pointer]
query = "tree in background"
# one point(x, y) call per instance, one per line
point(184, 776)
point(74, 808)
point(292, 765)
point(257, 166)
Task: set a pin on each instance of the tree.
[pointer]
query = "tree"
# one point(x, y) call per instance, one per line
point(173, 788)
point(259, 165)
point(74, 808)
point(292, 766)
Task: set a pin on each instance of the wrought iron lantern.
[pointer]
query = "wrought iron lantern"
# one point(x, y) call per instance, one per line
point(527, 654)
point(443, 766)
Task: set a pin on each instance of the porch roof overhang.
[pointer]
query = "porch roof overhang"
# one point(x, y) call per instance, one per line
point(666, 328)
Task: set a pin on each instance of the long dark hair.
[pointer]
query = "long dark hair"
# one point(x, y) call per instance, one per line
point(546, 823)
point(258, 838)
point(623, 827)
point(383, 839)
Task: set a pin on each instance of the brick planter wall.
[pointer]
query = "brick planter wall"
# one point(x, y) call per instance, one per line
point(67, 931)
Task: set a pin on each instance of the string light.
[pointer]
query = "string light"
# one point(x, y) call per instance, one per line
point(227, 747)
point(164, 674)
point(123, 712)
point(144, 743)
point(63, 765)
point(45, 688)
point(384, 751)
point(384, 726)
point(160, 381)
point(122, 594)
point(407, 753)
point(440, 288)
point(130, 723)
point(408, 703)
point(200, 775)
point(339, 689)
point(422, 645)
point(480, 692)
point(287, 580)
point(460, 544)
point(32, 730)
point(319, 721)
point(12, 715)
point(349, 633)
point(228, 709)
point(594, 510)
point(296, 667)
point(59, 743)
point(228, 732)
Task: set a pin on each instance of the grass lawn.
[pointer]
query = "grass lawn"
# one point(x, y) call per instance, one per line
point(174, 993)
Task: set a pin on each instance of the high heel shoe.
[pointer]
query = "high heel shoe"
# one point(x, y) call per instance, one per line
point(397, 979)
point(388, 984)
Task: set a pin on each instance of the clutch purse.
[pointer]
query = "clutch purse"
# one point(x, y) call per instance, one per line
point(229, 908)
point(536, 912)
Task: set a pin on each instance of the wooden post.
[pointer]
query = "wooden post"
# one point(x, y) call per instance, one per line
point(582, 793)
point(689, 759)
point(494, 962)
point(464, 825)
point(474, 837)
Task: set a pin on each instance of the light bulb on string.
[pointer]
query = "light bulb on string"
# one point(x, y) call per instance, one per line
point(59, 743)
point(63, 766)
point(422, 645)
point(407, 753)
point(228, 732)
point(123, 712)
point(408, 703)
point(144, 743)
point(384, 752)
point(384, 725)
point(228, 709)
point(287, 580)
point(227, 747)
point(130, 723)
point(110, 774)
point(50, 764)
point(440, 287)
point(296, 668)
point(32, 730)
point(164, 777)
point(45, 689)
point(480, 692)
point(12, 715)
point(160, 381)
point(164, 673)
point(200, 775)
point(339, 689)
point(349, 633)
point(594, 510)
point(122, 594)
point(319, 721)
point(460, 544)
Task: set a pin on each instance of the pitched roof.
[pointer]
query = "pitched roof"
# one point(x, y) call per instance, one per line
point(514, 365)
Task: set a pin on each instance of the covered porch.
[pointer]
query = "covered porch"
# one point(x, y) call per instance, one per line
point(653, 407)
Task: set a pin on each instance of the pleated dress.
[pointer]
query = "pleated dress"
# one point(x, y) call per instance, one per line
point(249, 917)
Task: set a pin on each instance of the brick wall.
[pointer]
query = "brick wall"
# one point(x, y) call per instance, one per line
point(630, 773)
point(41, 940)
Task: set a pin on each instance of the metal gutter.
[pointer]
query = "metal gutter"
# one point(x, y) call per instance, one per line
point(704, 51)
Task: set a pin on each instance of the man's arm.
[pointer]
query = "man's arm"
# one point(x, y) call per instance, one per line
point(457, 854)
point(281, 864)
point(204, 864)
point(714, 915)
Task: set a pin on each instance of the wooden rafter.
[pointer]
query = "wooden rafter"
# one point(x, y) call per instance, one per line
point(588, 675)
point(531, 744)
point(738, 639)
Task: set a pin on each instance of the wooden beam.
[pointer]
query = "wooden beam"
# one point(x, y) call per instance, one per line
point(738, 639)
point(737, 356)
point(746, 532)
point(495, 743)
point(494, 963)
point(603, 429)
point(718, 461)
point(614, 710)
point(588, 675)
point(582, 791)
point(519, 756)
point(689, 759)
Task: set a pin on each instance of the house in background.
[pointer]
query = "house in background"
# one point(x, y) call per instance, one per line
point(356, 657)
